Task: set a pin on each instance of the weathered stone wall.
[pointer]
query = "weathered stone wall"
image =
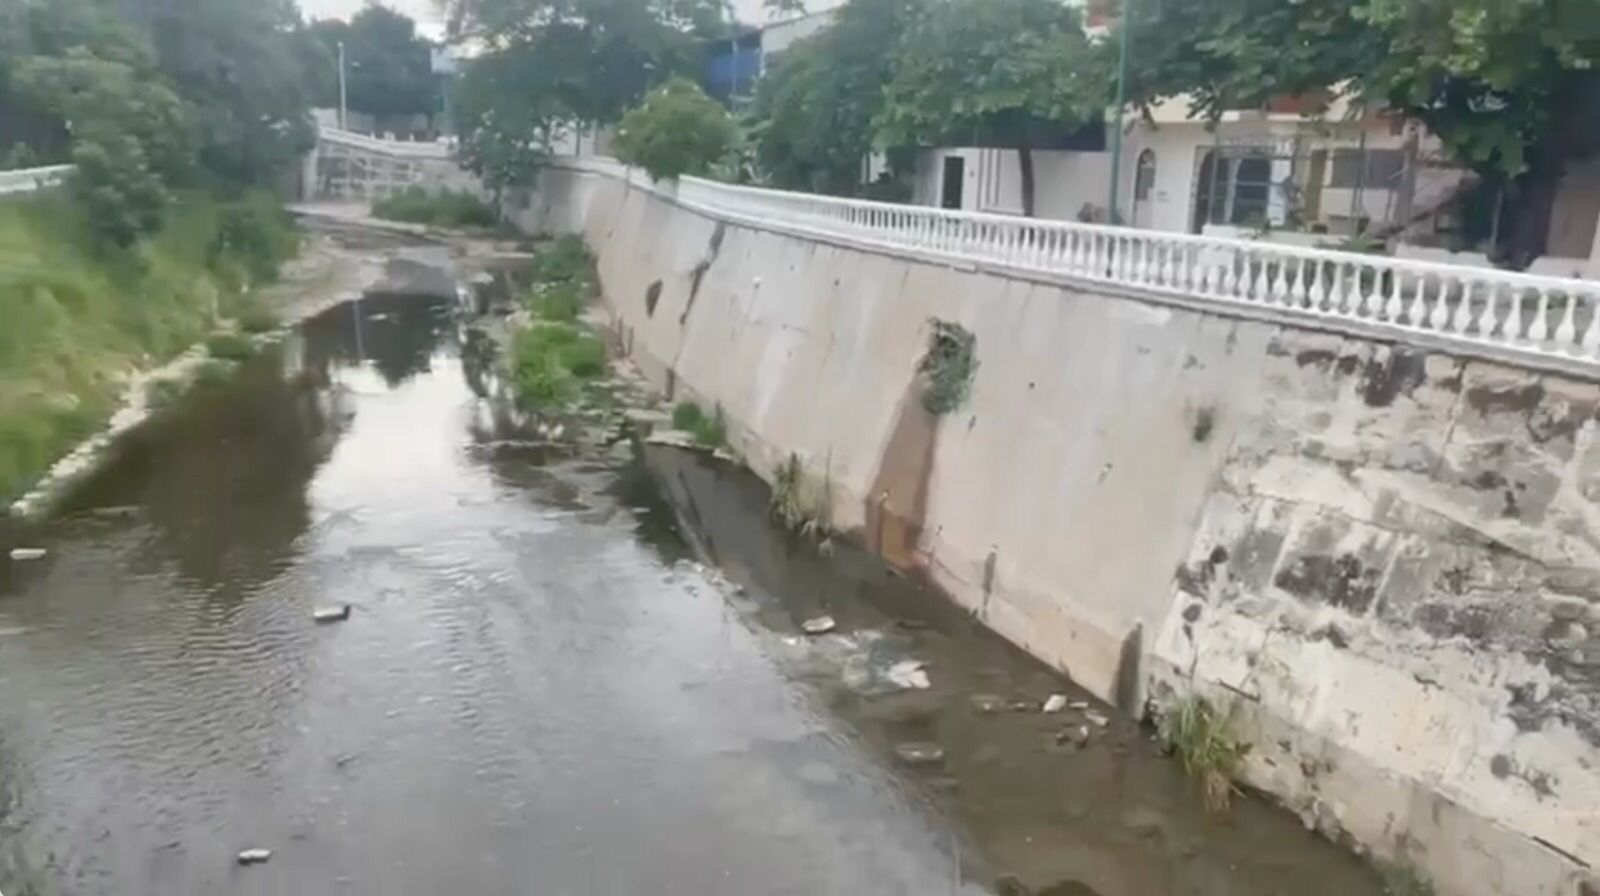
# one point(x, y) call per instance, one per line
point(1387, 563)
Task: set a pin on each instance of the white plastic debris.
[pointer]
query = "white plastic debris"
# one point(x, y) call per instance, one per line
point(1098, 719)
point(918, 753)
point(332, 614)
point(819, 625)
point(24, 554)
point(1056, 703)
point(909, 674)
point(254, 856)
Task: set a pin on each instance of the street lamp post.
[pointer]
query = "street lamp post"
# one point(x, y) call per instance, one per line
point(343, 108)
point(1126, 26)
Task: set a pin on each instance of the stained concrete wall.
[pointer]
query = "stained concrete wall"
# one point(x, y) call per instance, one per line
point(1386, 563)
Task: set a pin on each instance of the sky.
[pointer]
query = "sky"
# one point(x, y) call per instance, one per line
point(424, 11)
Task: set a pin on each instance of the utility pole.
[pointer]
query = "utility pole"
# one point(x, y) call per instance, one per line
point(1126, 26)
point(343, 108)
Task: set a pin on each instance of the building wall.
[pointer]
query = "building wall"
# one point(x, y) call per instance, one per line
point(1385, 563)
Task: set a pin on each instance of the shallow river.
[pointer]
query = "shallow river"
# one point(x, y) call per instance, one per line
point(565, 673)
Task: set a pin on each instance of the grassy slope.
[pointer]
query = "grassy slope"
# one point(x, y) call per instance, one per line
point(73, 320)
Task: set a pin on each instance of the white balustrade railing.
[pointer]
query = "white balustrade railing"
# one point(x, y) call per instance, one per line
point(29, 180)
point(1517, 314)
point(410, 149)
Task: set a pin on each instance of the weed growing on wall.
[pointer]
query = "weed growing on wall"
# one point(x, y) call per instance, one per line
point(1201, 738)
point(948, 368)
point(797, 505)
point(708, 430)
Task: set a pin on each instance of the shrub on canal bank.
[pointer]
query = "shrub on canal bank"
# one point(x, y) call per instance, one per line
point(444, 208)
point(551, 359)
point(709, 430)
point(79, 314)
point(230, 346)
point(1202, 739)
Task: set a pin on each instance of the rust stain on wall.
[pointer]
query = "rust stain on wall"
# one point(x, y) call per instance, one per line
point(898, 503)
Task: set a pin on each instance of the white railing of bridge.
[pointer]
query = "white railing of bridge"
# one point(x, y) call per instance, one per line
point(418, 149)
point(1516, 315)
point(29, 180)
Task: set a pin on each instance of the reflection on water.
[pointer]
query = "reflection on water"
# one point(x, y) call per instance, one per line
point(538, 692)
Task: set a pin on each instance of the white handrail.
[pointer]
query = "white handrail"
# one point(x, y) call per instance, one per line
point(29, 180)
point(413, 149)
point(1516, 314)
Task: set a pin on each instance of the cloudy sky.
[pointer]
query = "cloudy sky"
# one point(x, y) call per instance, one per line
point(423, 11)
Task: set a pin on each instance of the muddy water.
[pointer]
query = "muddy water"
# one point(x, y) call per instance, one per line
point(541, 689)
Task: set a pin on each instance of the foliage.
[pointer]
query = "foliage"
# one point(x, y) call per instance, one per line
point(230, 347)
point(551, 66)
point(1509, 88)
point(255, 231)
point(561, 301)
point(677, 130)
point(811, 121)
point(710, 430)
point(564, 260)
point(799, 507)
point(79, 314)
point(443, 208)
point(948, 367)
point(1403, 879)
point(255, 317)
point(548, 360)
point(1201, 738)
point(1008, 69)
point(114, 183)
point(388, 66)
point(239, 67)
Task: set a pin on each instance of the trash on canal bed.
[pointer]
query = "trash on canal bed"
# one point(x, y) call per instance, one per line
point(21, 554)
point(331, 614)
point(919, 753)
point(820, 625)
point(254, 856)
point(1056, 703)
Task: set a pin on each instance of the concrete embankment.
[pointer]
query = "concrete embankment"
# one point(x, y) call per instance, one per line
point(1386, 562)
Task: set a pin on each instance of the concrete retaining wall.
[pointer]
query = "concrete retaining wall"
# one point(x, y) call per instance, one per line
point(1387, 563)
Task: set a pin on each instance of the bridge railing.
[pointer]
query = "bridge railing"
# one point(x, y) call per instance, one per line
point(1518, 315)
point(29, 180)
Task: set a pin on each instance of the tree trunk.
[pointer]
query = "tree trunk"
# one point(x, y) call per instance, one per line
point(1025, 162)
point(1525, 230)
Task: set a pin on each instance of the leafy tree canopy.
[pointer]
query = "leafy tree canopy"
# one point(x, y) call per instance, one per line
point(551, 65)
point(677, 130)
point(1008, 67)
point(812, 119)
point(388, 66)
point(1509, 86)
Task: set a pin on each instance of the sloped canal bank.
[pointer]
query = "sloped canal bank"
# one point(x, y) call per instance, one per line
point(567, 671)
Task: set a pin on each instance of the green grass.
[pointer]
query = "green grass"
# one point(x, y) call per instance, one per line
point(255, 317)
point(75, 317)
point(564, 260)
point(710, 430)
point(550, 360)
point(1201, 737)
point(558, 301)
point(445, 208)
point(230, 346)
point(1403, 879)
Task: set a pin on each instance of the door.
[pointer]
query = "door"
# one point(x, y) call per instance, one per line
point(955, 178)
point(1144, 184)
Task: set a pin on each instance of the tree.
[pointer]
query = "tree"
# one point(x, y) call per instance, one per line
point(1508, 87)
point(238, 64)
point(1005, 71)
point(389, 68)
point(677, 130)
point(812, 120)
point(551, 66)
